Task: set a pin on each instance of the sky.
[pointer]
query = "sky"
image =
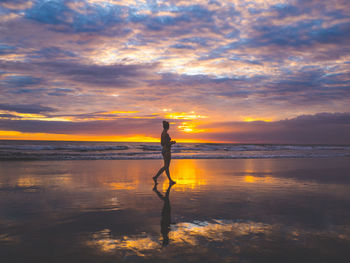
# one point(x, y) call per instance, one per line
point(264, 71)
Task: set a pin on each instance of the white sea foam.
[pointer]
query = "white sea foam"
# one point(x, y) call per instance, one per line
point(80, 148)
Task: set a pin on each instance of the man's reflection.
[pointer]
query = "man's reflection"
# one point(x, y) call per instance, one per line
point(166, 215)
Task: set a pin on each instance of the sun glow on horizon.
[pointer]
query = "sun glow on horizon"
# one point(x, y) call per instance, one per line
point(16, 135)
point(189, 128)
point(184, 116)
point(251, 119)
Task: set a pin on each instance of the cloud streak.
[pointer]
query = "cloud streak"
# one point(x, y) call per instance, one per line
point(322, 128)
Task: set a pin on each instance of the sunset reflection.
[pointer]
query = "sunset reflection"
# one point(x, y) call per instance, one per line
point(35, 181)
point(255, 179)
point(188, 175)
point(28, 182)
point(106, 243)
point(194, 236)
point(218, 210)
point(123, 186)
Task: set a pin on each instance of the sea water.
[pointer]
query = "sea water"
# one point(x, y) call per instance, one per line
point(64, 150)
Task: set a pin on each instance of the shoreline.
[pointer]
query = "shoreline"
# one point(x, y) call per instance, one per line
point(180, 158)
point(233, 143)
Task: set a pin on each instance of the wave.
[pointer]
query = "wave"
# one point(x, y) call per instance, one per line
point(81, 148)
point(140, 156)
point(271, 147)
point(205, 147)
point(150, 147)
point(28, 150)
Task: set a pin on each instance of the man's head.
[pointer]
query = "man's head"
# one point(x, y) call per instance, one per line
point(165, 125)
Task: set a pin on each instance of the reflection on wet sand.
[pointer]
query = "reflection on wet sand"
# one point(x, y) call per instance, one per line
point(224, 210)
point(189, 176)
point(256, 179)
point(138, 245)
point(234, 239)
point(166, 214)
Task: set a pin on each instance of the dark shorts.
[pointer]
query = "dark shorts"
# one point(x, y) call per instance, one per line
point(166, 153)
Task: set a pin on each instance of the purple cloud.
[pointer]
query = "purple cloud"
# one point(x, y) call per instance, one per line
point(322, 128)
point(26, 108)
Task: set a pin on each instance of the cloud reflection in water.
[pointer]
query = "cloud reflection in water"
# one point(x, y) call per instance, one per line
point(231, 236)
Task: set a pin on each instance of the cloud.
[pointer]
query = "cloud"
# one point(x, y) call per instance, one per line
point(308, 85)
point(301, 34)
point(182, 46)
point(272, 59)
point(53, 52)
point(26, 108)
point(16, 4)
point(322, 128)
point(18, 81)
point(60, 91)
point(5, 49)
point(99, 76)
point(116, 75)
point(117, 127)
point(90, 18)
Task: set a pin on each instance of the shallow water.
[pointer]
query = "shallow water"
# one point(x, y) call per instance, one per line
point(250, 210)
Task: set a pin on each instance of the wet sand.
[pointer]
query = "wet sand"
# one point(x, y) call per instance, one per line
point(248, 210)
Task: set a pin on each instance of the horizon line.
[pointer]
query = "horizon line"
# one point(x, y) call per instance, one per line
point(249, 143)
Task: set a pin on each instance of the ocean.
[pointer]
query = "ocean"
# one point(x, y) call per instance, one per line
point(67, 150)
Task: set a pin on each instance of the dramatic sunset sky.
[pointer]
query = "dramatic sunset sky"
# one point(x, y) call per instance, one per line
point(264, 71)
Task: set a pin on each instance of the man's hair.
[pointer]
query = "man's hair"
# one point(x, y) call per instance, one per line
point(165, 125)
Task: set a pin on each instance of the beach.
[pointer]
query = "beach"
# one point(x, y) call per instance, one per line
point(220, 210)
point(248, 100)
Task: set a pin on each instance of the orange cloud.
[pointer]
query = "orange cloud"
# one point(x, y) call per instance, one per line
point(15, 135)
